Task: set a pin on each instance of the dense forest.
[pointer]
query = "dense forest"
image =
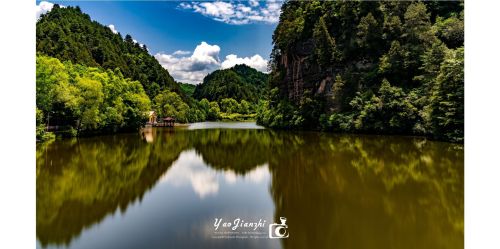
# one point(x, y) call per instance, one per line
point(83, 100)
point(86, 99)
point(240, 82)
point(70, 35)
point(392, 67)
point(90, 80)
point(363, 67)
point(187, 88)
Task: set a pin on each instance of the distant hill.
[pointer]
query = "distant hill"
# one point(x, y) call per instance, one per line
point(70, 35)
point(187, 88)
point(239, 82)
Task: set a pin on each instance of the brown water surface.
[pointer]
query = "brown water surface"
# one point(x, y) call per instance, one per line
point(163, 188)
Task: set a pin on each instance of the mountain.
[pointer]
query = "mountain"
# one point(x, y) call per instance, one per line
point(240, 82)
point(370, 67)
point(187, 88)
point(70, 35)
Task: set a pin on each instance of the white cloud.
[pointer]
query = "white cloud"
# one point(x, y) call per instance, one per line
point(181, 52)
point(255, 61)
point(44, 7)
point(230, 177)
point(113, 29)
point(190, 169)
point(191, 69)
point(140, 44)
point(258, 175)
point(205, 54)
point(204, 60)
point(237, 13)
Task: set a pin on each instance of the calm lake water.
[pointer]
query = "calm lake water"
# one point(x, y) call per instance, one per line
point(164, 188)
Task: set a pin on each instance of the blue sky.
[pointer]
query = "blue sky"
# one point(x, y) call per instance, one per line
point(191, 39)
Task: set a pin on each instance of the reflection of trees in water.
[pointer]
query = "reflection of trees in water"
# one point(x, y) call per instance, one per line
point(80, 181)
point(369, 192)
point(236, 150)
point(336, 191)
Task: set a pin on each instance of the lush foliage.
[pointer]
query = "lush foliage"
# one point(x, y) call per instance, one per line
point(91, 80)
point(87, 99)
point(387, 67)
point(239, 82)
point(41, 129)
point(188, 89)
point(70, 35)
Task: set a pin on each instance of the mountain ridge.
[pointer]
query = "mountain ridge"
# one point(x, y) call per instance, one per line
point(68, 34)
point(239, 82)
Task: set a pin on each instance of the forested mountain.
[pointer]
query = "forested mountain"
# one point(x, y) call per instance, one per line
point(70, 35)
point(375, 67)
point(90, 81)
point(240, 82)
point(187, 88)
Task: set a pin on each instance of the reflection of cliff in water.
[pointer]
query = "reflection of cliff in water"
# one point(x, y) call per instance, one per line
point(369, 192)
point(334, 190)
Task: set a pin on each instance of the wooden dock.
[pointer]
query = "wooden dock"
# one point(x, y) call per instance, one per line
point(159, 124)
point(163, 124)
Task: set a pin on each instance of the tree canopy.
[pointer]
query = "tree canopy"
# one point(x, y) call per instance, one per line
point(378, 67)
point(88, 99)
point(240, 82)
point(70, 35)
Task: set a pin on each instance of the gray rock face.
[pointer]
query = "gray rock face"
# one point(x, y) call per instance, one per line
point(302, 73)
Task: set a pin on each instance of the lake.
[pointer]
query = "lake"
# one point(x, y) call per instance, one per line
point(165, 188)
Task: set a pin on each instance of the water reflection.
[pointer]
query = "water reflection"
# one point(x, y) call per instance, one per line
point(370, 192)
point(337, 191)
point(190, 169)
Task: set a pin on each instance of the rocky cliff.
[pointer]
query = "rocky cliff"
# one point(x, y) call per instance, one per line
point(377, 67)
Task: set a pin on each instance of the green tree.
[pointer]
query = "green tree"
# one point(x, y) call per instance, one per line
point(49, 73)
point(326, 50)
point(229, 105)
point(369, 33)
point(417, 24)
point(89, 99)
point(393, 65)
point(70, 35)
point(451, 30)
point(431, 61)
point(204, 105)
point(447, 102)
point(170, 104)
point(245, 107)
point(338, 92)
point(214, 111)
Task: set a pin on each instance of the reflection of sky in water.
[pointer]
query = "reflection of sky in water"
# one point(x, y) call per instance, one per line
point(180, 210)
point(224, 125)
point(190, 169)
point(336, 191)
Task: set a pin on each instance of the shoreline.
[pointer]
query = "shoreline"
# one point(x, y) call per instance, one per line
point(226, 124)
